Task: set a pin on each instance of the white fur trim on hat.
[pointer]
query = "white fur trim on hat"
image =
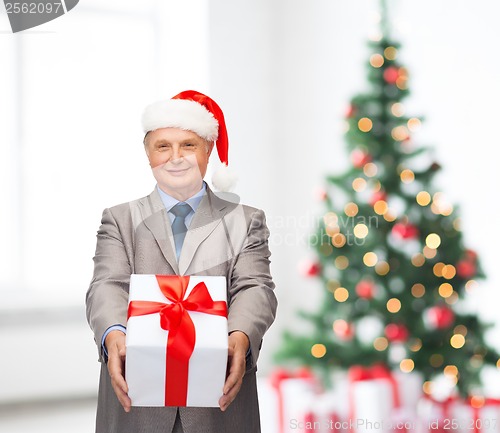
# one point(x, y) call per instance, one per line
point(181, 113)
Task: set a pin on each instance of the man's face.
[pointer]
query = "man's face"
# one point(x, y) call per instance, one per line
point(178, 159)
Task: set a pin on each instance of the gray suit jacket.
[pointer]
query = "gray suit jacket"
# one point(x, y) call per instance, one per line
point(224, 238)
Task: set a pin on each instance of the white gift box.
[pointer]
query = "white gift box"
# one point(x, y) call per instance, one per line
point(439, 415)
point(373, 399)
point(298, 397)
point(484, 419)
point(410, 390)
point(148, 361)
point(404, 418)
point(287, 401)
point(372, 406)
point(326, 410)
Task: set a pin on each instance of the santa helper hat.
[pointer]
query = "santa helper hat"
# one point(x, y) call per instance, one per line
point(193, 111)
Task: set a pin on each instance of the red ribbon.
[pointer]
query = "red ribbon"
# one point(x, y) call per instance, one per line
point(445, 406)
point(174, 317)
point(309, 422)
point(334, 422)
point(378, 371)
point(278, 376)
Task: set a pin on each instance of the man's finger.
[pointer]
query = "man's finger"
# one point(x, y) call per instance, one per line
point(232, 386)
point(233, 382)
point(116, 364)
point(120, 387)
point(237, 349)
point(228, 398)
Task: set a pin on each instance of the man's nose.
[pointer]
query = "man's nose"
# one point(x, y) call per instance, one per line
point(176, 154)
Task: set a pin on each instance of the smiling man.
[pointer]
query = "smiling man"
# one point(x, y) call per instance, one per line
point(179, 160)
point(219, 238)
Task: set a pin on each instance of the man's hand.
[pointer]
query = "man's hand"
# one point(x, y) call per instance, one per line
point(115, 345)
point(238, 347)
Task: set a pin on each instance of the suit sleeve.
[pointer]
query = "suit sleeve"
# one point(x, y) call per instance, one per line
point(253, 304)
point(107, 296)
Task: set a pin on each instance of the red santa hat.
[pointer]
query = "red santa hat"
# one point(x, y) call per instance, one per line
point(193, 111)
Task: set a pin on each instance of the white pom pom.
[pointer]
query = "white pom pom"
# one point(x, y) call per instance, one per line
point(224, 179)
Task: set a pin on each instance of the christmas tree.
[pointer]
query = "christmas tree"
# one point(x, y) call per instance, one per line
point(390, 252)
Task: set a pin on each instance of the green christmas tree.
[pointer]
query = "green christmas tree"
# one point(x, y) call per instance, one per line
point(390, 253)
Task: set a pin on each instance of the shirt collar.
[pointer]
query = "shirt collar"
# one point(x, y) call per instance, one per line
point(169, 202)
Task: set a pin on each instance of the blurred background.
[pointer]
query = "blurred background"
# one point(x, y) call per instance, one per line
point(73, 91)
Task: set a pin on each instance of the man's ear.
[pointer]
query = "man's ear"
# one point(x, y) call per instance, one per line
point(210, 147)
point(146, 149)
point(146, 145)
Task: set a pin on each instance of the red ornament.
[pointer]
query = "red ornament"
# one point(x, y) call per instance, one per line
point(359, 158)
point(391, 75)
point(396, 332)
point(471, 255)
point(440, 317)
point(365, 289)
point(321, 194)
point(310, 269)
point(377, 196)
point(343, 329)
point(466, 269)
point(405, 231)
point(351, 110)
point(435, 166)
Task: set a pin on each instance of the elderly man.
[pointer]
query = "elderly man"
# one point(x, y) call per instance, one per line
point(182, 228)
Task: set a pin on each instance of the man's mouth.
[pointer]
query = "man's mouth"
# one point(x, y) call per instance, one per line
point(177, 171)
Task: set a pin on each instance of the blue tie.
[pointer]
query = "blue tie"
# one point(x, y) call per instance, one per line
point(181, 210)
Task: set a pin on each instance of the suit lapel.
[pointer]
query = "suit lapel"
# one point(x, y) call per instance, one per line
point(206, 218)
point(156, 220)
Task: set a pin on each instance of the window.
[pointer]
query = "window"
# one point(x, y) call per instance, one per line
point(73, 91)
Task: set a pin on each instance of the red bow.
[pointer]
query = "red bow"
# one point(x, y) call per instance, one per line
point(174, 317)
point(376, 371)
point(281, 374)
